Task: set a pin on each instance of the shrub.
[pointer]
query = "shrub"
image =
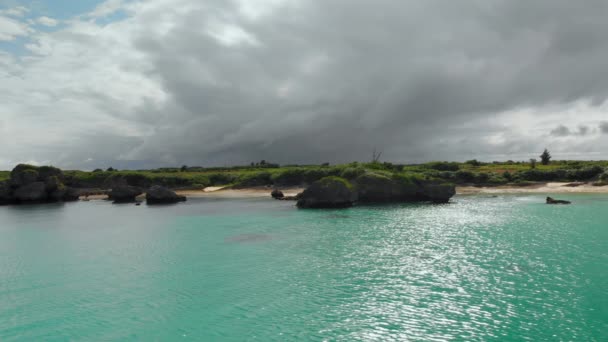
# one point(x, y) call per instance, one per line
point(352, 172)
point(443, 166)
point(255, 179)
point(465, 176)
point(585, 173)
point(289, 177)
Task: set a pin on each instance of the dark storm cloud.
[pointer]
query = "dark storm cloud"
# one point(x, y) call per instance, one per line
point(561, 131)
point(360, 74)
point(330, 80)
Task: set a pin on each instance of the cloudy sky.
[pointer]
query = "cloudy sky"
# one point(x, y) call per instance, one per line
point(90, 83)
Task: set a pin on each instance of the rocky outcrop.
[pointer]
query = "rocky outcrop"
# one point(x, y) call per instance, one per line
point(33, 184)
point(554, 201)
point(161, 195)
point(370, 187)
point(6, 196)
point(436, 193)
point(374, 187)
point(329, 192)
point(277, 194)
point(32, 192)
point(124, 194)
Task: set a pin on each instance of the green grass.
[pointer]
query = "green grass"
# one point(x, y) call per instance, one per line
point(439, 172)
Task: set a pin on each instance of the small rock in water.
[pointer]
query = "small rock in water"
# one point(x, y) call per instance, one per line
point(277, 194)
point(554, 201)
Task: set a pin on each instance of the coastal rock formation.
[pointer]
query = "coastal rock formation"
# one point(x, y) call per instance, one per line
point(277, 194)
point(329, 192)
point(124, 194)
point(33, 184)
point(554, 201)
point(437, 193)
point(161, 195)
point(5, 193)
point(32, 192)
point(373, 187)
point(370, 187)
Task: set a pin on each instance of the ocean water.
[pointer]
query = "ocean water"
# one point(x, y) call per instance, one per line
point(482, 268)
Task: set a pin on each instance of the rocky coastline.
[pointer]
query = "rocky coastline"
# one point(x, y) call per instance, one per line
point(46, 184)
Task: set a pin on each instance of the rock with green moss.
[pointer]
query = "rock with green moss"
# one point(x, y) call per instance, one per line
point(33, 184)
point(161, 195)
point(377, 187)
point(124, 194)
point(328, 192)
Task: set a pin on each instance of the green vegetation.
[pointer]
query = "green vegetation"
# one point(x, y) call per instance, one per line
point(265, 173)
point(326, 181)
point(545, 158)
point(4, 175)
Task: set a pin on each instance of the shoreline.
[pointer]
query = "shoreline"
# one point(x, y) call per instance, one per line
point(539, 188)
point(264, 192)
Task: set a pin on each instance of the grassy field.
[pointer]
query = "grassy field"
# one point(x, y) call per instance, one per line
point(471, 172)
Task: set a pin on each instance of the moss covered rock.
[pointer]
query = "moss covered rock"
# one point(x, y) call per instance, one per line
point(329, 192)
point(161, 195)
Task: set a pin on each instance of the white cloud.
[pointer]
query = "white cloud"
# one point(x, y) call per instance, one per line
point(46, 21)
point(18, 11)
point(107, 8)
point(11, 29)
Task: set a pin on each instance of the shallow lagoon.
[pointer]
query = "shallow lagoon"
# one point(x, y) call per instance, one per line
point(481, 268)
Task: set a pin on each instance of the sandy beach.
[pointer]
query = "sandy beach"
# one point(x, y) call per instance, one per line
point(534, 189)
point(259, 192)
point(236, 193)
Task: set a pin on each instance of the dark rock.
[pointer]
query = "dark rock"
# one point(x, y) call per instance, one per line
point(30, 183)
point(23, 175)
point(329, 192)
point(277, 194)
point(373, 188)
point(71, 195)
point(437, 193)
point(124, 194)
point(5, 193)
point(161, 195)
point(32, 192)
point(554, 201)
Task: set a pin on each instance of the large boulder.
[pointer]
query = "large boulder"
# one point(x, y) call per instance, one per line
point(277, 194)
point(437, 193)
point(5, 193)
point(39, 184)
point(24, 174)
point(329, 192)
point(70, 195)
point(376, 187)
point(161, 195)
point(124, 194)
point(32, 192)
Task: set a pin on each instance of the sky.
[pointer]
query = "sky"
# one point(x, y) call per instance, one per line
point(138, 84)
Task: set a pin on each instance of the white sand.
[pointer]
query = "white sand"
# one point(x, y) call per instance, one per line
point(533, 189)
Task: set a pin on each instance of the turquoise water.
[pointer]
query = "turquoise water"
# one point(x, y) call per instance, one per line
point(482, 268)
